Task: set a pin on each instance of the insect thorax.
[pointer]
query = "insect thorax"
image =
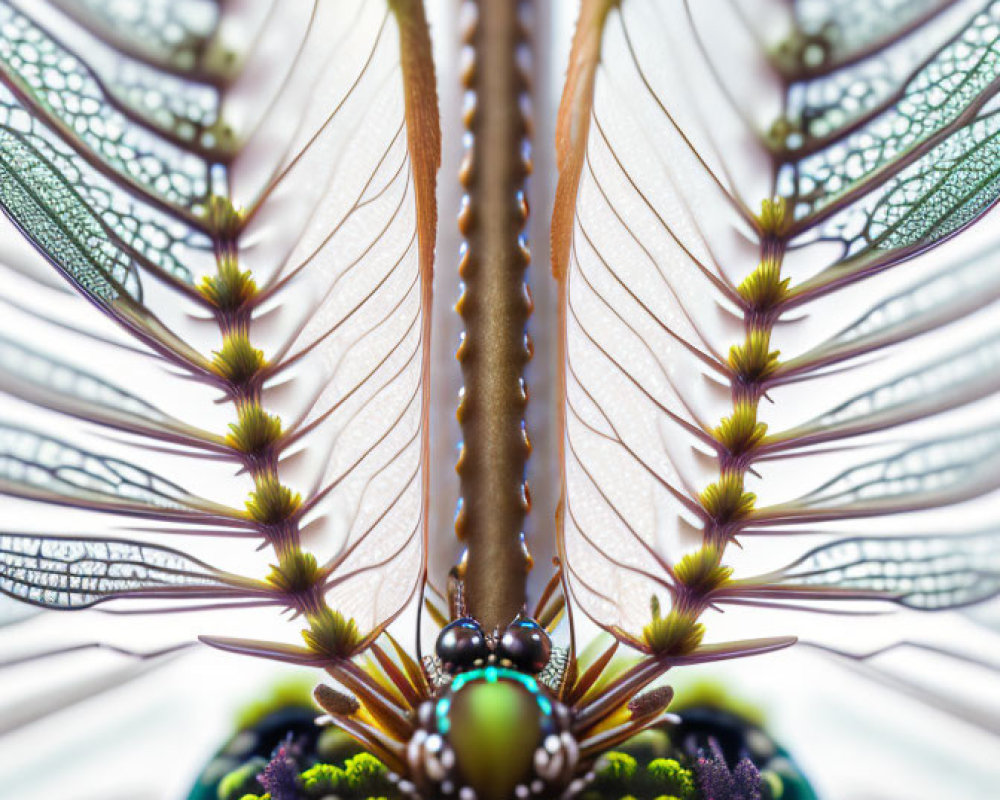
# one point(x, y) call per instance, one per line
point(494, 729)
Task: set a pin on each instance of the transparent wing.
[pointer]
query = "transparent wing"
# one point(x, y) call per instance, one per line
point(67, 573)
point(778, 318)
point(247, 194)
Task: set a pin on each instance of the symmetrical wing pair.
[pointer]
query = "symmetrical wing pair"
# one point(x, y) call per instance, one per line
point(775, 326)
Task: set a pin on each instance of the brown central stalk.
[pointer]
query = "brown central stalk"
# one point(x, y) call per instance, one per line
point(495, 306)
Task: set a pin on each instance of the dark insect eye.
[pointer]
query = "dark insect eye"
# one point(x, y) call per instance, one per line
point(526, 645)
point(460, 644)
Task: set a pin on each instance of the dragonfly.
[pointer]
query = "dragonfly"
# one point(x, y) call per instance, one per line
point(766, 364)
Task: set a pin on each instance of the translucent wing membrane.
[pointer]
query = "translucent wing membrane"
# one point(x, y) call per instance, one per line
point(924, 572)
point(57, 88)
point(170, 35)
point(247, 193)
point(35, 377)
point(67, 573)
point(37, 466)
point(771, 327)
point(838, 30)
point(102, 271)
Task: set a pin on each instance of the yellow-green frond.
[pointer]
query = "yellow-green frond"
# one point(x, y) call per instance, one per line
point(774, 216)
point(296, 573)
point(701, 571)
point(764, 288)
point(224, 219)
point(754, 361)
point(725, 501)
point(255, 431)
point(238, 361)
point(676, 634)
point(740, 433)
point(230, 288)
point(331, 634)
point(271, 502)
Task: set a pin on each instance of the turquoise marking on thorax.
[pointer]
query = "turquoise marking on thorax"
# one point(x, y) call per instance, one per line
point(442, 709)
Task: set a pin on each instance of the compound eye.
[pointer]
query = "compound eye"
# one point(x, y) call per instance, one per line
point(461, 644)
point(526, 645)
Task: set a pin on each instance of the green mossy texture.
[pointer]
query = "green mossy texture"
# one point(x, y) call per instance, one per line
point(622, 775)
point(627, 774)
point(360, 777)
point(647, 767)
